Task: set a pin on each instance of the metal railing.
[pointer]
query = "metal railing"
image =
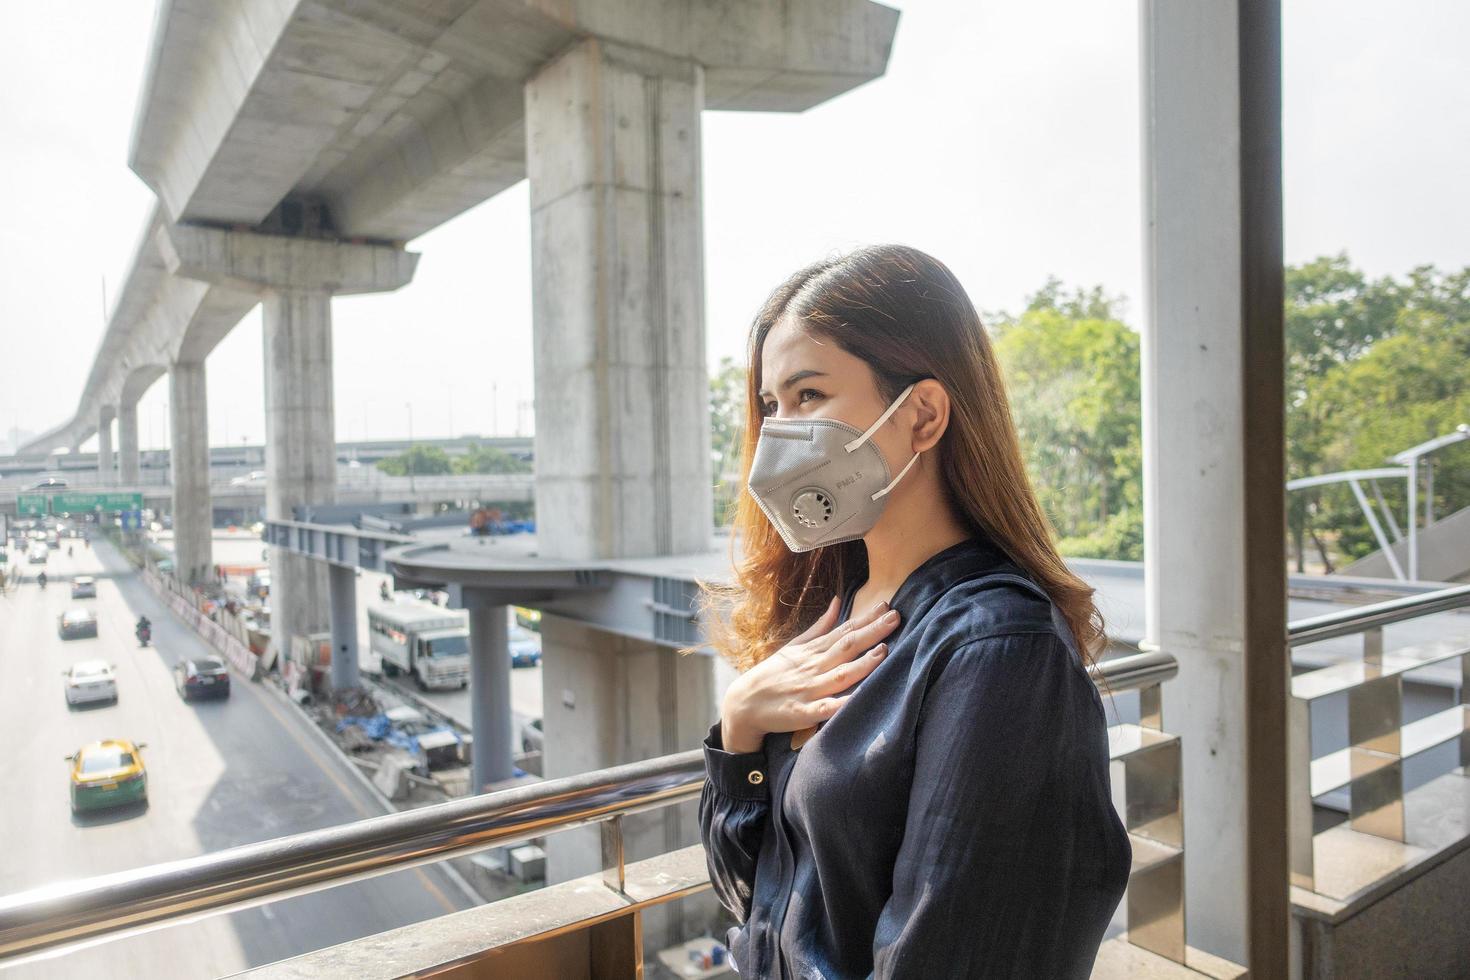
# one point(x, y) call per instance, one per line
point(1371, 767)
point(51, 918)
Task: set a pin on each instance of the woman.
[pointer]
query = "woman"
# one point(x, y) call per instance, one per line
point(910, 774)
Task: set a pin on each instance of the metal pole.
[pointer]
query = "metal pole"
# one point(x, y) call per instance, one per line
point(342, 594)
point(1362, 498)
point(1428, 492)
point(1413, 518)
point(491, 720)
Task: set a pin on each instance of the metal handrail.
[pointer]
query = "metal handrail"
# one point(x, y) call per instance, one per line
point(82, 911)
point(1376, 615)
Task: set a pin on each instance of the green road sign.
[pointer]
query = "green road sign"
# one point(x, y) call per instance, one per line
point(30, 504)
point(76, 503)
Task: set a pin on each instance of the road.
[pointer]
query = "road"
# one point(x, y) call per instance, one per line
point(242, 549)
point(219, 774)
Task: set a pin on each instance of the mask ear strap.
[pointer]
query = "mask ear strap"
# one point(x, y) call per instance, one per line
point(881, 419)
point(901, 472)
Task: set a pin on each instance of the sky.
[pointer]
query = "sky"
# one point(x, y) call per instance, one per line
point(1004, 139)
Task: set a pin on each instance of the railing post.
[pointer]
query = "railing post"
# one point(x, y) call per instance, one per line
point(1375, 717)
point(613, 858)
point(1464, 769)
point(1153, 816)
point(1299, 801)
point(1373, 646)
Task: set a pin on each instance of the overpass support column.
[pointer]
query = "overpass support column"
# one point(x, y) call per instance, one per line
point(188, 407)
point(492, 723)
point(296, 279)
point(104, 444)
point(343, 585)
point(1214, 455)
point(622, 419)
point(300, 439)
point(127, 443)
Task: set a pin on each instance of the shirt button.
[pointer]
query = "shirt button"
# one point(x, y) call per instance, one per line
point(756, 777)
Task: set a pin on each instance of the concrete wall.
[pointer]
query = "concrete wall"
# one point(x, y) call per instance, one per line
point(610, 700)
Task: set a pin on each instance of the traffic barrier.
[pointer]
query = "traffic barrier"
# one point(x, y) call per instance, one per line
point(225, 642)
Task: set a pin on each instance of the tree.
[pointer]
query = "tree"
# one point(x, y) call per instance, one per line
point(417, 460)
point(1370, 370)
point(488, 459)
point(727, 426)
point(1072, 370)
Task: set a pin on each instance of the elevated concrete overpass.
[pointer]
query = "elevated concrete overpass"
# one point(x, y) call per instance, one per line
point(296, 146)
point(486, 487)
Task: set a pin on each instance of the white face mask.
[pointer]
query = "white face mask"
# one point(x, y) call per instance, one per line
point(816, 483)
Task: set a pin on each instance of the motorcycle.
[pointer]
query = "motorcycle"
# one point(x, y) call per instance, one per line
point(144, 634)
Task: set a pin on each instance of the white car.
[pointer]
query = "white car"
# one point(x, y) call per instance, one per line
point(90, 680)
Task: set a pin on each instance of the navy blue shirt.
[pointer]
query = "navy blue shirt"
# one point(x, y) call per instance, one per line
point(953, 819)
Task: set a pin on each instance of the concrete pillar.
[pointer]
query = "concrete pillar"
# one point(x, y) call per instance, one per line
point(127, 443)
point(104, 444)
point(300, 438)
point(1214, 455)
point(622, 429)
point(296, 278)
point(188, 409)
point(342, 582)
point(492, 722)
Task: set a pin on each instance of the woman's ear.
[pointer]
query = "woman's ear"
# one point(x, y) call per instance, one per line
point(931, 406)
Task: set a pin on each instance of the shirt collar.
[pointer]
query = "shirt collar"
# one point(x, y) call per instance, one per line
point(971, 558)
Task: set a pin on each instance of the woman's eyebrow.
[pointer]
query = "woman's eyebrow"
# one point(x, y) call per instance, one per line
point(798, 376)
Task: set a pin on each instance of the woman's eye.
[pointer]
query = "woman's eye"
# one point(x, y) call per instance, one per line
point(768, 408)
point(808, 391)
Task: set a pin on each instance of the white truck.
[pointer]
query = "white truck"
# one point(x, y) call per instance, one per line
point(429, 643)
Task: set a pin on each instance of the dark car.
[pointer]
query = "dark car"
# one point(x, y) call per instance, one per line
point(50, 483)
point(77, 622)
point(202, 677)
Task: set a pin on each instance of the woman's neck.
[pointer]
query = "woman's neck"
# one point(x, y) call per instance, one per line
point(900, 543)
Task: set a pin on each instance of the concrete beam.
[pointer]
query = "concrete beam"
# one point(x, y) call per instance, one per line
point(253, 262)
point(403, 115)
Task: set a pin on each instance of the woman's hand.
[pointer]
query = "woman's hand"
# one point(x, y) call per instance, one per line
point(793, 688)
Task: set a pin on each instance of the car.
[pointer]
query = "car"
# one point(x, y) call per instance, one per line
point(90, 680)
point(525, 647)
point(77, 621)
point(50, 483)
point(108, 773)
point(84, 587)
point(532, 737)
point(205, 676)
point(253, 478)
point(38, 555)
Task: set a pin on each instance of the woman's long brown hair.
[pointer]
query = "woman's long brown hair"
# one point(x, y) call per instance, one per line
point(905, 314)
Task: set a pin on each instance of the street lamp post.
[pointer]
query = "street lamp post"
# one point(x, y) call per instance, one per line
point(411, 466)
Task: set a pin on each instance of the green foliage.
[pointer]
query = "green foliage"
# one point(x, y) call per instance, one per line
point(488, 459)
point(417, 460)
point(1373, 367)
point(1072, 369)
point(727, 422)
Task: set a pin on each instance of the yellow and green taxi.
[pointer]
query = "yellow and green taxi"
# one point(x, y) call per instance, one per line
point(107, 773)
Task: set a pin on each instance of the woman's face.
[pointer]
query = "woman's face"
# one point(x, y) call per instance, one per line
point(806, 376)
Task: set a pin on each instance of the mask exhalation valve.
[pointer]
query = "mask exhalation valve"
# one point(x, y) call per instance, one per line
point(812, 507)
